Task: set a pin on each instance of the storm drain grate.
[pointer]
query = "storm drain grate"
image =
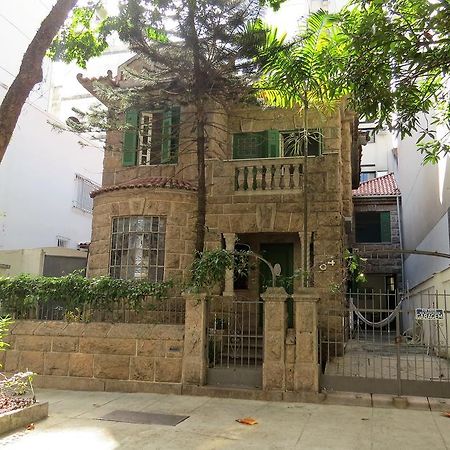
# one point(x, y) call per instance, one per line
point(143, 417)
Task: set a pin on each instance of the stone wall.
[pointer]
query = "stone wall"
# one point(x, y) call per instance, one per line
point(97, 356)
point(381, 263)
point(179, 208)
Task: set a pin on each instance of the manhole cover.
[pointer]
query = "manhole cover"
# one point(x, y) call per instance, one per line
point(143, 417)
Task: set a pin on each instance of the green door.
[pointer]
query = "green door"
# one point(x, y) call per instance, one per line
point(282, 254)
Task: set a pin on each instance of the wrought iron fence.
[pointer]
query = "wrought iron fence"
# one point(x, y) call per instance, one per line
point(159, 311)
point(235, 337)
point(387, 343)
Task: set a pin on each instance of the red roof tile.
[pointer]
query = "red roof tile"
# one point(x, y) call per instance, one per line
point(158, 182)
point(381, 187)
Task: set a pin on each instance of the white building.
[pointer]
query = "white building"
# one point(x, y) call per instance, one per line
point(46, 175)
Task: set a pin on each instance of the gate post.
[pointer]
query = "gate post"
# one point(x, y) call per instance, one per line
point(275, 324)
point(194, 354)
point(306, 369)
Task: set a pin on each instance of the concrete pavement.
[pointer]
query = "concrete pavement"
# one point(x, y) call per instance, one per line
point(73, 424)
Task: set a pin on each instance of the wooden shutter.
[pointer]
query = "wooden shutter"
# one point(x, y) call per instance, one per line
point(166, 136)
point(272, 142)
point(175, 134)
point(385, 226)
point(254, 145)
point(130, 138)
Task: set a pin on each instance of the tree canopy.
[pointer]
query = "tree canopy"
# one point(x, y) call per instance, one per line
point(397, 58)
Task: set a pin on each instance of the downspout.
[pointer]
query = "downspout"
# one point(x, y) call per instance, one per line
point(400, 234)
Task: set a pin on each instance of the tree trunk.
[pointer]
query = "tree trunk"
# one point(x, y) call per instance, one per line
point(305, 197)
point(30, 72)
point(201, 193)
point(199, 98)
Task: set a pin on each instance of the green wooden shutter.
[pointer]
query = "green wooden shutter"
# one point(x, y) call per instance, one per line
point(385, 226)
point(272, 142)
point(130, 138)
point(175, 134)
point(166, 136)
point(263, 144)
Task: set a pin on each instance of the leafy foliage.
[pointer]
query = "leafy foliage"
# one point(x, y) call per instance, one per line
point(5, 323)
point(21, 293)
point(208, 269)
point(397, 64)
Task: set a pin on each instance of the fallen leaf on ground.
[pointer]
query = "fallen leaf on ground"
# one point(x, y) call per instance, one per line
point(30, 426)
point(446, 414)
point(247, 421)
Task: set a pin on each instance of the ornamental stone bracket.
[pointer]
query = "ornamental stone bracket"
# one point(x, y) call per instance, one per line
point(195, 340)
point(306, 368)
point(275, 325)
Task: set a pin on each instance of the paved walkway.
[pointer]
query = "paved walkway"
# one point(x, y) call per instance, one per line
point(73, 424)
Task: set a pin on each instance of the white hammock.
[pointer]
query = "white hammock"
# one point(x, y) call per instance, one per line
point(379, 324)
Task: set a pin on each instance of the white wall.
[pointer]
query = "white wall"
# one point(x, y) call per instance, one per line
point(377, 155)
point(37, 183)
point(425, 192)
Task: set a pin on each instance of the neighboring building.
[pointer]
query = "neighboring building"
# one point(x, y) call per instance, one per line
point(426, 216)
point(45, 180)
point(376, 206)
point(144, 214)
point(47, 174)
point(51, 262)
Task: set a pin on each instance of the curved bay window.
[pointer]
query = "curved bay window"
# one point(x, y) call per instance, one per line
point(137, 248)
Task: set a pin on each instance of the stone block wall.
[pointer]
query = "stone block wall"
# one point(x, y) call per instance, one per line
point(96, 355)
point(179, 208)
point(381, 263)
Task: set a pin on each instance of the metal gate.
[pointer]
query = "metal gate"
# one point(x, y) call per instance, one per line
point(387, 344)
point(235, 342)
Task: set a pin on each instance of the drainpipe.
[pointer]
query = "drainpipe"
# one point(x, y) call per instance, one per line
point(400, 233)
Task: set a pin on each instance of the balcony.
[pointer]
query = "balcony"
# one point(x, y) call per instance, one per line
point(271, 175)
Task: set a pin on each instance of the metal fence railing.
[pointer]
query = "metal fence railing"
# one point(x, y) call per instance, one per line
point(153, 311)
point(387, 343)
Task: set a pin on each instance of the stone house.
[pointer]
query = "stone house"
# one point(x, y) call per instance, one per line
point(254, 182)
point(377, 228)
point(143, 228)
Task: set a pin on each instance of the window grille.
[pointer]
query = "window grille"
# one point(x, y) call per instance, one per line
point(84, 187)
point(137, 248)
point(293, 142)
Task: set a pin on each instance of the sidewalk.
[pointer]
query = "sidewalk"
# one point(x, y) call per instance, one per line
point(73, 424)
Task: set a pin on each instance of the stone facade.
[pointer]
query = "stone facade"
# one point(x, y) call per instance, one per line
point(97, 356)
point(273, 207)
point(253, 201)
point(379, 263)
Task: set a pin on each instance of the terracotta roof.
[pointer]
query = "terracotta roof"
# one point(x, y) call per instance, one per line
point(381, 187)
point(158, 182)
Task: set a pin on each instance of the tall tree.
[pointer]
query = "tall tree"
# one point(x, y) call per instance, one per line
point(202, 49)
point(305, 73)
point(30, 72)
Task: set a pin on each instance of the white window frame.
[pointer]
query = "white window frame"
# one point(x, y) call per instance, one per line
point(84, 187)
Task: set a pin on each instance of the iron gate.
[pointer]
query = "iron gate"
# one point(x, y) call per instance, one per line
point(235, 342)
point(387, 343)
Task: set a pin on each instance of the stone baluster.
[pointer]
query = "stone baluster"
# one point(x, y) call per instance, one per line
point(263, 178)
point(276, 177)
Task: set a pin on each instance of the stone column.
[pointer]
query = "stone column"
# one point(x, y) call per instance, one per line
point(230, 240)
point(306, 369)
point(275, 325)
point(194, 355)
